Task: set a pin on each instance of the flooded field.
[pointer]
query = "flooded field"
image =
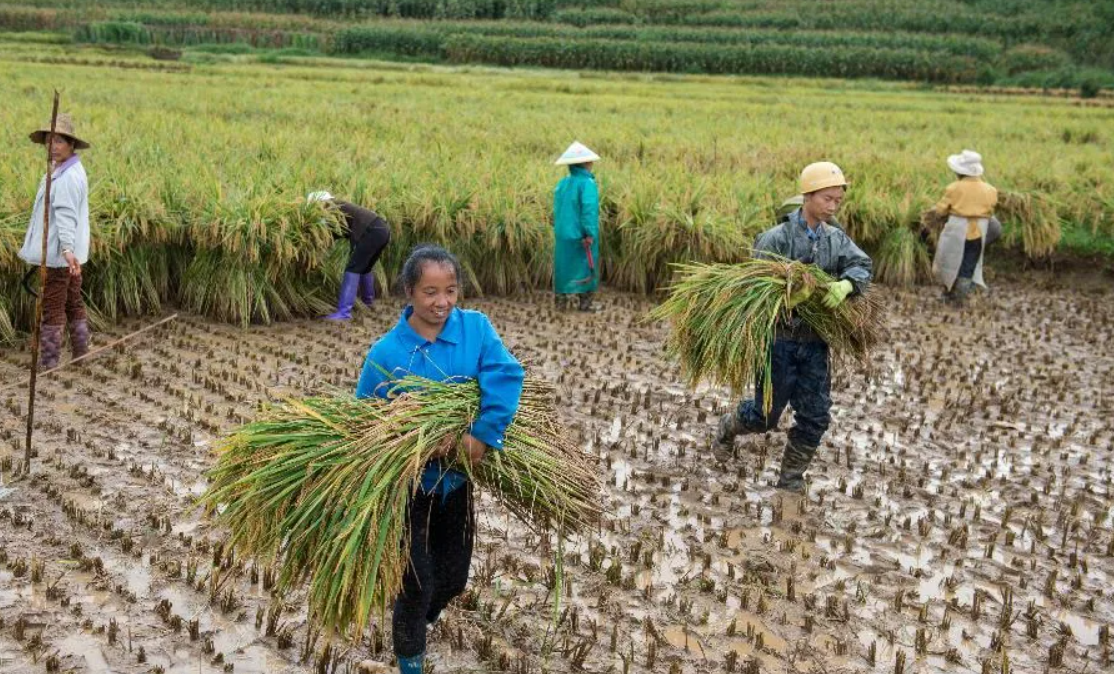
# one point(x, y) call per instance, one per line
point(959, 516)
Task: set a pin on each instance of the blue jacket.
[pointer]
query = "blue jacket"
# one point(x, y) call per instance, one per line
point(467, 348)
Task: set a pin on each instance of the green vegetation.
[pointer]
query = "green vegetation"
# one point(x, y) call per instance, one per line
point(320, 487)
point(199, 169)
point(1052, 44)
point(724, 318)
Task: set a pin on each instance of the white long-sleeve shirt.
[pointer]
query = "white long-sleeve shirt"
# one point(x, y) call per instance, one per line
point(69, 218)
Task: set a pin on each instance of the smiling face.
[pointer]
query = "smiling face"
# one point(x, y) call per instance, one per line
point(822, 205)
point(434, 295)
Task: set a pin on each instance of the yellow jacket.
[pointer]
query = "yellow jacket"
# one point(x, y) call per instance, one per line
point(970, 198)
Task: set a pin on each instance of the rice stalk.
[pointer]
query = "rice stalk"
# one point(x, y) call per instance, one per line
point(902, 259)
point(321, 486)
point(724, 319)
point(1034, 220)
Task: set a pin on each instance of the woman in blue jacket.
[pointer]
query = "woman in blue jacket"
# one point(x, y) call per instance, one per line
point(436, 340)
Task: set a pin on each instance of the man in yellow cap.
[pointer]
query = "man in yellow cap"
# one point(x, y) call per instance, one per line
point(799, 360)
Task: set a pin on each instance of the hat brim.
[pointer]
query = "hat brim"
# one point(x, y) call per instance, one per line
point(39, 137)
point(964, 169)
point(572, 161)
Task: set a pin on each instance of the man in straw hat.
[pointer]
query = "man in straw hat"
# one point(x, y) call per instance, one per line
point(799, 359)
point(67, 246)
point(968, 205)
point(576, 228)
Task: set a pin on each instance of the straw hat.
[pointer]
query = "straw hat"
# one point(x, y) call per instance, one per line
point(63, 127)
point(966, 163)
point(577, 154)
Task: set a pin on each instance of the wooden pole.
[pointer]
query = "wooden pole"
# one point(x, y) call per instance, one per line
point(36, 330)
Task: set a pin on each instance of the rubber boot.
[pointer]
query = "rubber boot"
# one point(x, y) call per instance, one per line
point(347, 298)
point(723, 445)
point(50, 346)
point(561, 302)
point(794, 463)
point(79, 338)
point(586, 305)
point(411, 665)
point(961, 290)
point(367, 288)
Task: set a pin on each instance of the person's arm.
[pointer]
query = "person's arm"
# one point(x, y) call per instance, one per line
point(500, 378)
point(854, 265)
point(65, 202)
point(374, 373)
point(944, 206)
point(590, 210)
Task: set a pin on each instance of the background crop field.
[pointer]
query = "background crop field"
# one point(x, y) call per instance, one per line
point(1035, 43)
point(198, 169)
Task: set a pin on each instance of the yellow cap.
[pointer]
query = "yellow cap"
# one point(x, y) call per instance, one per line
point(819, 175)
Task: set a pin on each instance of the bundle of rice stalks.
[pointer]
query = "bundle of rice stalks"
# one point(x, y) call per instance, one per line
point(902, 259)
point(321, 486)
point(1033, 219)
point(724, 319)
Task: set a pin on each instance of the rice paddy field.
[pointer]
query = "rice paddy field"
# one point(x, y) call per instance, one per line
point(199, 170)
point(959, 516)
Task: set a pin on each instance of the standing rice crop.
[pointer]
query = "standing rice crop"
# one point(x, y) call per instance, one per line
point(724, 319)
point(321, 486)
point(902, 258)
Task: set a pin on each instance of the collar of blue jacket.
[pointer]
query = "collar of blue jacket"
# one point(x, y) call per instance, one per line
point(580, 171)
point(450, 334)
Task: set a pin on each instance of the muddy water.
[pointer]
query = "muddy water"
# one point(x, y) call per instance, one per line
point(959, 512)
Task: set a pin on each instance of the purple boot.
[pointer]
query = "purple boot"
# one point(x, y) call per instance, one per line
point(50, 346)
point(79, 338)
point(347, 298)
point(367, 288)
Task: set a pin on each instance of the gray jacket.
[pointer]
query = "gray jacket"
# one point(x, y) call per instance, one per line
point(69, 218)
point(833, 251)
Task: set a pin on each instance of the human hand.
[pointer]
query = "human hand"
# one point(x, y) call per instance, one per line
point(837, 292)
point(71, 261)
point(444, 448)
point(799, 295)
point(474, 448)
point(588, 240)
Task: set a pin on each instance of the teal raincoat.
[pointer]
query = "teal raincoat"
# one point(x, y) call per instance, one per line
point(576, 214)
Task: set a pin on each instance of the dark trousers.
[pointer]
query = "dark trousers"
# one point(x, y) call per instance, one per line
point(800, 377)
point(62, 297)
point(364, 252)
point(972, 251)
point(441, 535)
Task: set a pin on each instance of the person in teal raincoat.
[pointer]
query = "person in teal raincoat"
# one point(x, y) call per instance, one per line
point(576, 229)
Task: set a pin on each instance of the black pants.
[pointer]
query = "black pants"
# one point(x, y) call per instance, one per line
point(801, 378)
point(365, 251)
point(972, 251)
point(441, 535)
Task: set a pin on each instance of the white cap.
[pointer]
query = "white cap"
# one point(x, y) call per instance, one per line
point(577, 154)
point(319, 195)
point(966, 163)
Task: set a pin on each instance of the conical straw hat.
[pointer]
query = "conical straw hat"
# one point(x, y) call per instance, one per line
point(577, 154)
